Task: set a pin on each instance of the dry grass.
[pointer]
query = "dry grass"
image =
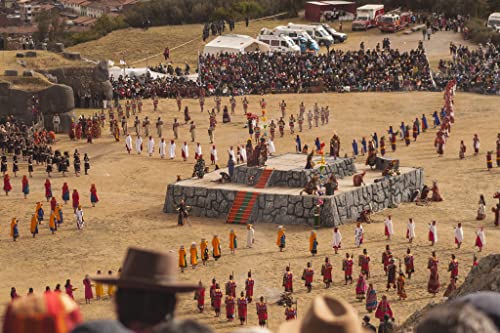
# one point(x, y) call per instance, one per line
point(27, 83)
point(137, 44)
point(43, 60)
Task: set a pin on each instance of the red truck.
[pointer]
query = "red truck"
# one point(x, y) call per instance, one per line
point(367, 16)
point(394, 22)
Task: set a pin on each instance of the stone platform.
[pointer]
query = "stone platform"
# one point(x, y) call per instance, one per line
point(288, 170)
point(280, 201)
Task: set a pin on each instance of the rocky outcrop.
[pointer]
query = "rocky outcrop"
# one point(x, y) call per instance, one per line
point(92, 80)
point(297, 209)
point(55, 98)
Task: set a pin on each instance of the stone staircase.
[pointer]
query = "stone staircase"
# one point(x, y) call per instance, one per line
point(264, 177)
point(242, 207)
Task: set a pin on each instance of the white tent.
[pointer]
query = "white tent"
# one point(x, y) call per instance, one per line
point(235, 44)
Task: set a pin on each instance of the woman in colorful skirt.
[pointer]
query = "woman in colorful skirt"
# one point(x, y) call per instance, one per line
point(361, 288)
point(48, 189)
point(65, 193)
point(26, 187)
point(371, 299)
point(88, 289)
point(93, 195)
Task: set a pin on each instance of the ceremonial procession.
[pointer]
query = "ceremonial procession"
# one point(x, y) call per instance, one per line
point(324, 183)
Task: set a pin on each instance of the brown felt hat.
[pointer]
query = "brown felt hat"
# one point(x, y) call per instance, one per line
point(148, 270)
point(326, 314)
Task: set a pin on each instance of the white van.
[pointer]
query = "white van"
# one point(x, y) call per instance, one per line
point(494, 21)
point(315, 31)
point(277, 43)
point(298, 35)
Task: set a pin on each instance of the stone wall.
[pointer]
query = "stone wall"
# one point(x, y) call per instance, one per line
point(296, 209)
point(294, 178)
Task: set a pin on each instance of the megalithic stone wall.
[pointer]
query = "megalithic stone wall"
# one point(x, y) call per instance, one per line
point(296, 209)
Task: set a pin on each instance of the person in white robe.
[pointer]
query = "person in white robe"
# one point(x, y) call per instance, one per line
point(138, 144)
point(433, 236)
point(270, 147)
point(358, 235)
point(197, 151)
point(388, 227)
point(163, 148)
point(213, 155)
point(243, 154)
point(337, 239)
point(459, 235)
point(128, 143)
point(171, 149)
point(231, 153)
point(80, 222)
point(185, 151)
point(410, 230)
point(250, 235)
point(151, 146)
point(480, 239)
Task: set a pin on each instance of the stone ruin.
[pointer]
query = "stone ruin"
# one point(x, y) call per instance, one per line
point(54, 98)
point(272, 193)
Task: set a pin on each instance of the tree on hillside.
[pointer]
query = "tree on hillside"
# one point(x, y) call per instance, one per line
point(43, 21)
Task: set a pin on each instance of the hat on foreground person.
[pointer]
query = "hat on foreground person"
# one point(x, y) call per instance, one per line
point(147, 287)
point(326, 314)
point(48, 312)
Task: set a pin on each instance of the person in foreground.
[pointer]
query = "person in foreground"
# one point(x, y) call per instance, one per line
point(325, 315)
point(146, 295)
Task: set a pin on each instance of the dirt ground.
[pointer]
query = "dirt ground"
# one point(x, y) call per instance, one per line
point(132, 191)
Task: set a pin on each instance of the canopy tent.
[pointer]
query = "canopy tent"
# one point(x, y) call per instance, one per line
point(235, 44)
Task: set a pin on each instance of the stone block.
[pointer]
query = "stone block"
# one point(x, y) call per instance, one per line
point(72, 55)
point(28, 74)
point(10, 72)
point(30, 54)
point(19, 55)
point(382, 162)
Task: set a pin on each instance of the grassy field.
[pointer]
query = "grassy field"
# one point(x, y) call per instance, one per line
point(43, 60)
point(145, 47)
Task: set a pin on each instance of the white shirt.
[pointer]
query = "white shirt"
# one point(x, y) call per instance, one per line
point(151, 146)
point(138, 144)
point(163, 148)
point(243, 153)
point(433, 229)
point(213, 152)
point(171, 150)
point(231, 154)
point(197, 150)
point(185, 149)
point(410, 228)
point(270, 146)
point(128, 142)
point(459, 234)
point(250, 237)
point(358, 234)
point(482, 236)
point(337, 239)
point(389, 226)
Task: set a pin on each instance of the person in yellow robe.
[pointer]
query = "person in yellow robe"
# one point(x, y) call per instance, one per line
point(216, 250)
point(14, 231)
point(34, 225)
point(111, 288)
point(233, 245)
point(52, 222)
point(57, 211)
point(182, 258)
point(204, 251)
point(193, 251)
point(313, 243)
point(99, 288)
point(281, 240)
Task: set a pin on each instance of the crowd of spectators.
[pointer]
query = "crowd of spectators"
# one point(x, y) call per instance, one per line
point(475, 70)
point(362, 70)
